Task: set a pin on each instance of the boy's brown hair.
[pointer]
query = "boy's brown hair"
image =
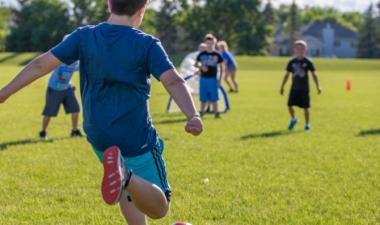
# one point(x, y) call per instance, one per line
point(209, 37)
point(126, 7)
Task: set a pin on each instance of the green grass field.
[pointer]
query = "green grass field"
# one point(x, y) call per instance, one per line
point(258, 172)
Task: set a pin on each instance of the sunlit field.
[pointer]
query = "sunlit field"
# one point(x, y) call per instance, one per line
point(258, 172)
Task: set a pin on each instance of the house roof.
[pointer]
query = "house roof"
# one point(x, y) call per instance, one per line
point(315, 29)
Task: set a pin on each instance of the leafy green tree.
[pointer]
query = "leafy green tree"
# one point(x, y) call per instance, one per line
point(38, 25)
point(149, 24)
point(4, 20)
point(89, 11)
point(240, 23)
point(166, 24)
point(269, 13)
point(351, 20)
point(369, 36)
point(294, 23)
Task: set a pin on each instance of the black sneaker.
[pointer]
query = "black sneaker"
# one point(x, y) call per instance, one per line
point(43, 135)
point(217, 115)
point(76, 133)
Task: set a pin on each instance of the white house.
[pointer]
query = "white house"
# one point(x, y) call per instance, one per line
point(325, 39)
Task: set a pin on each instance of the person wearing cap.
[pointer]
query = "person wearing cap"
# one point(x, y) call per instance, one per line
point(299, 67)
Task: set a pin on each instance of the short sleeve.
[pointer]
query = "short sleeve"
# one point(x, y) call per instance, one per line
point(68, 50)
point(158, 60)
point(311, 66)
point(220, 58)
point(289, 67)
point(198, 59)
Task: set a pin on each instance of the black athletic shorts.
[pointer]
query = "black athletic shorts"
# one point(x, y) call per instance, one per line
point(54, 100)
point(299, 98)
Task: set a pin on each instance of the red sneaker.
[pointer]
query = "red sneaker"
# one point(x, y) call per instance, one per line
point(116, 175)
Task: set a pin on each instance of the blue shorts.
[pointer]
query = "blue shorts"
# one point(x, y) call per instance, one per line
point(231, 68)
point(208, 89)
point(149, 166)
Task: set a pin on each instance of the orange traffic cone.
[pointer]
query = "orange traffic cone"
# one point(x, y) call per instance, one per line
point(348, 85)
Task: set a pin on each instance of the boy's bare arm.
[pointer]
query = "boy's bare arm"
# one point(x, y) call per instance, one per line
point(222, 73)
point(284, 81)
point(39, 67)
point(177, 88)
point(316, 80)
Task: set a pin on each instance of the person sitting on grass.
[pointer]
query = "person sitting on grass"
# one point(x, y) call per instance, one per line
point(117, 61)
point(208, 61)
point(299, 95)
point(230, 65)
point(60, 91)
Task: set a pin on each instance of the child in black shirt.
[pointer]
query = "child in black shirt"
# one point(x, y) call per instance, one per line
point(299, 95)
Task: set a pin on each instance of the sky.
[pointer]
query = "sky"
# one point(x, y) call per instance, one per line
point(343, 5)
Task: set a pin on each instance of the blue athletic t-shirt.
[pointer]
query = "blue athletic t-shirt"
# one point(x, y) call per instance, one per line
point(229, 58)
point(60, 79)
point(116, 63)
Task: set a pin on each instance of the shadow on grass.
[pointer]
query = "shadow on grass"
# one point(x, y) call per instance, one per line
point(365, 133)
point(9, 57)
point(172, 121)
point(4, 146)
point(271, 134)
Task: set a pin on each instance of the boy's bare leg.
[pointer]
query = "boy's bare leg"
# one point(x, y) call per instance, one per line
point(45, 123)
point(204, 106)
point(131, 214)
point(215, 107)
point(307, 116)
point(292, 112)
point(234, 81)
point(227, 80)
point(148, 198)
point(75, 119)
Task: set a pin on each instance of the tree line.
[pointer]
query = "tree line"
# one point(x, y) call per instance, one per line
point(248, 25)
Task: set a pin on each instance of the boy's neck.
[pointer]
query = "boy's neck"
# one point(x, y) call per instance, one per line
point(122, 20)
point(301, 57)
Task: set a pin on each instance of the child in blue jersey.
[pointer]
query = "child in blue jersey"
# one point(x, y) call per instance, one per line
point(60, 91)
point(209, 62)
point(231, 67)
point(116, 63)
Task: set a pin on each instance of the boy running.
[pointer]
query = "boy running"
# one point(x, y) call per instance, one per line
point(117, 61)
point(61, 92)
point(208, 61)
point(300, 91)
point(231, 67)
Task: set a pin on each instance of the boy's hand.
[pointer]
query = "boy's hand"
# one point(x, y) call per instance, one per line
point(204, 69)
point(194, 126)
point(319, 90)
point(282, 91)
